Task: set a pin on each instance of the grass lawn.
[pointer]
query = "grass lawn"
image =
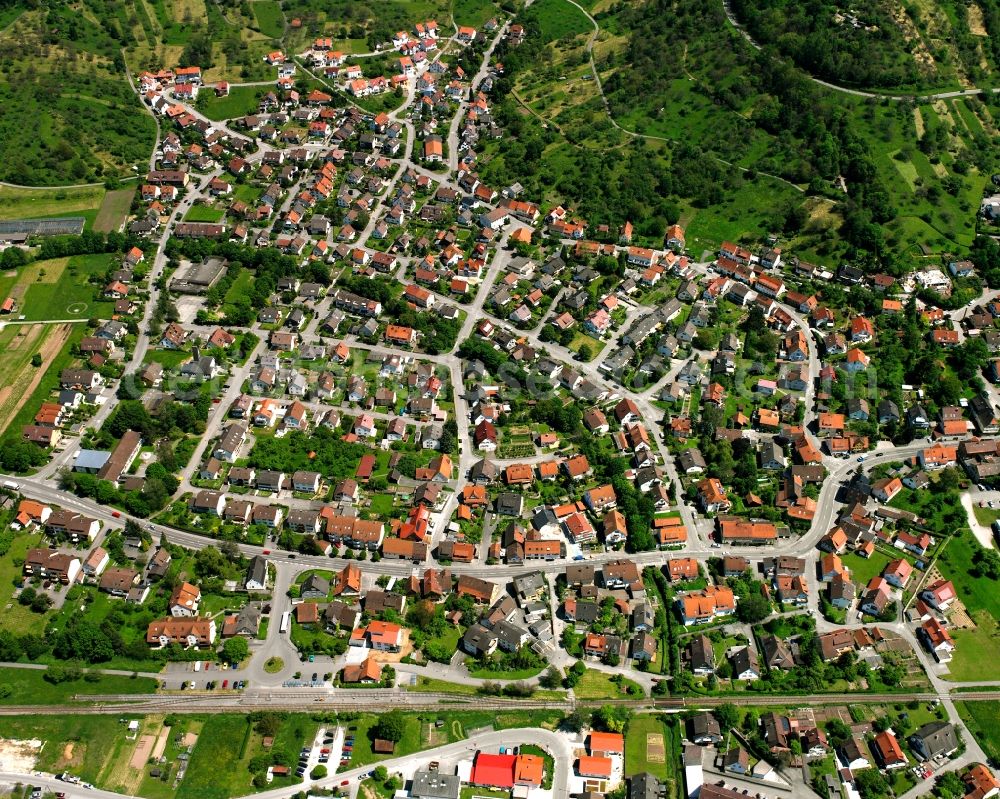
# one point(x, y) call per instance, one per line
point(636, 755)
point(448, 640)
point(976, 651)
point(204, 213)
point(428, 685)
point(240, 101)
point(270, 19)
point(521, 674)
point(985, 516)
point(220, 742)
point(471, 792)
point(984, 723)
point(240, 286)
point(34, 203)
point(581, 339)
point(18, 619)
point(863, 569)
point(943, 518)
point(377, 103)
point(363, 754)
point(978, 593)
point(167, 358)
point(557, 19)
point(598, 685)
point(244, 191)
point(382, 504)
point(30, 687)
point(61, 289)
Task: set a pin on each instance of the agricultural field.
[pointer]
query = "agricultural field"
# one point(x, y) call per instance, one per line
point(114, 210)
point(20, 380)
point(270, 20)
point(27, 203)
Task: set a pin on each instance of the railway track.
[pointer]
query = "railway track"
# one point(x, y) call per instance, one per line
point(362, 701)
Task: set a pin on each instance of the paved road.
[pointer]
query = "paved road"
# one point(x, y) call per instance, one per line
point(267, 687)
point(50, 783)
point(219, 415)
point(559, 745)
point(277, 644)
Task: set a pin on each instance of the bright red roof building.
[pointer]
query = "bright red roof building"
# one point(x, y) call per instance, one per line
point(495, 771)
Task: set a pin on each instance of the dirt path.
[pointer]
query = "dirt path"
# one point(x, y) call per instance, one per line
point(11, 402)
point(143, 749)
point(18, 756)
point(982, 533)
point(161, 742)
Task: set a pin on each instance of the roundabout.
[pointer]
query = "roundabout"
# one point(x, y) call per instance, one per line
point(274, 665)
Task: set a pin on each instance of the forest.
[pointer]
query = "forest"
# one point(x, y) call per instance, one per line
point(856, 44)
point(863, 44)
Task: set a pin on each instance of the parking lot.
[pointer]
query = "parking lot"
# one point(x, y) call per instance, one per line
point(327, 749)
point(201, 676)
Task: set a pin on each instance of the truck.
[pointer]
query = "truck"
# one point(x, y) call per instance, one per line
point(11, 485)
